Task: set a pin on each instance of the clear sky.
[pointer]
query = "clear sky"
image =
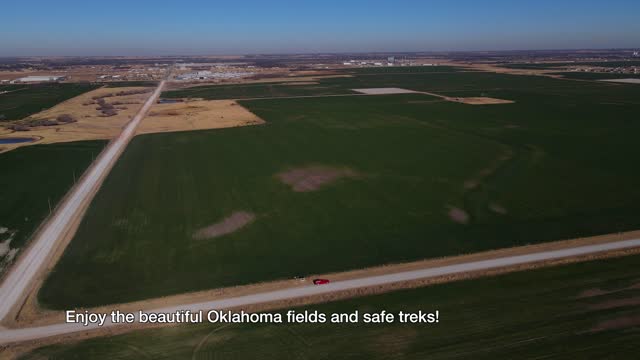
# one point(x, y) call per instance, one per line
point(142, 27)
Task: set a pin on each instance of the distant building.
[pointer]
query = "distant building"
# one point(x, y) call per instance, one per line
point(636, 54)
point(391, 59)
point(40, 78)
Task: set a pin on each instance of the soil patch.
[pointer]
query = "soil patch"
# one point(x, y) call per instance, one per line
point(228, 225)
point(383, 91)
point(617, 323)
point(312, 178)
point(481, 101)
point(612, 304)
point(623, 81)
point(458, 215)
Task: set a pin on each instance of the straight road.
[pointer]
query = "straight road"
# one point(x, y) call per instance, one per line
point(25, 334)
point(21, 276)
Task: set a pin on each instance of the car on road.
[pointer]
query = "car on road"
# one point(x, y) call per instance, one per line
point(320, 281)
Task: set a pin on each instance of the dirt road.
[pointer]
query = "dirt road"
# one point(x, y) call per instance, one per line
point(24, 334)
point(16, 284)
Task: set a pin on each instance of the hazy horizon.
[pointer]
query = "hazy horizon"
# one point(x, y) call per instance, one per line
point(196, 27)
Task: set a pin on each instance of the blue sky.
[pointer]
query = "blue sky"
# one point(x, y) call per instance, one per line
point(141, 27)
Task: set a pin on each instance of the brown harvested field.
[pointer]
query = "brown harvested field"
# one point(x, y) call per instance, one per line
point(197, 115)
point(313, 177)
point(481, 101)
point(91, 124)
point(228, 225)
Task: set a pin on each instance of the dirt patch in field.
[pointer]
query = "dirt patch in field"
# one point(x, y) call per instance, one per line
point(612, 304)
point(458, 215)
point(312, 178)
point(480, 101)
point(497, 208)
point(599, 292)
point(197, 115)
point(89, 121)
point(617, 323)
point(383, 91)
point(228, 225)
point(623, 81)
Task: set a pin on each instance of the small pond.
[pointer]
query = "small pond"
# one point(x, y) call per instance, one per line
point(16, 140)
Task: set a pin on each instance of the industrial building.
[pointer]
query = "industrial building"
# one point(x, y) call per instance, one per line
point(39, 78)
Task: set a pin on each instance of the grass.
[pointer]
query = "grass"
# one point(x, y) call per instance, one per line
point(533, 314)
point(34, 176)
point(556, 161)
point(25, 100)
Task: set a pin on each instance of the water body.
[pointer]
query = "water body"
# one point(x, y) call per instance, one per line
point(16, 140)
point(168, 101)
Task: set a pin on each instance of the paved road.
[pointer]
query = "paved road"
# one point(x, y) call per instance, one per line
point(17, 335)
point(16, 285)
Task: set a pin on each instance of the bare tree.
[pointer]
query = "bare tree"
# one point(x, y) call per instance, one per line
point(65, 118)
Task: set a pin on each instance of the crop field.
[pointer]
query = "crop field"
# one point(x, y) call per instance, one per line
point(20, 101)
point(597, 76)
point(222, 92)
point(32, 177)
point(482, 83)
point(586, 310)
point(608, 64)
point(338, 183)
point(403, 69)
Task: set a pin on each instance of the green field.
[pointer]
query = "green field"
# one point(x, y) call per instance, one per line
point(328, 86)
point(24, 100)
point(581, 311)
point(34, 176)
point(403, 69)
point(480, 83)
point(554, 165)
point(596, 76)
point(214, 92)
point(608, 64)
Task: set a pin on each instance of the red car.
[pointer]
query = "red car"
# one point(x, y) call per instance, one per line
point(320, 281)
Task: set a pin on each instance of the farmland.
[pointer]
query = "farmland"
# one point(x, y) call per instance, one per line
point(585, 310)
point(597, 76)
point(552, 65)
point(220, 92)
point(32, 178)
point(337, 183)
point(21, 101)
